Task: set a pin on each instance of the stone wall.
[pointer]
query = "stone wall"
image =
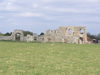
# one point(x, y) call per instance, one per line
point(5, 38)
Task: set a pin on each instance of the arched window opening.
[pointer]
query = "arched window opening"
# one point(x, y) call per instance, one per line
point(17, 37)
point(70, 31)
point(35, 38)
point(81, 31)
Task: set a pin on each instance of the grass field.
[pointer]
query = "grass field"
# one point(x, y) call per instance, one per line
point(19, 58)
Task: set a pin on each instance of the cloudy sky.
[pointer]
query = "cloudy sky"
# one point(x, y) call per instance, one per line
point(40, 15)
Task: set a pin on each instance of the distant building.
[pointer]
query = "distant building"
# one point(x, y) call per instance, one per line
point(99, 41)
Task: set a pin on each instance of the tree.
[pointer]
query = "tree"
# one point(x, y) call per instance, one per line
point(42, 33)
point(98, 36)
point(27, 32)
point(8, 34)
point(1, 34)
point(93, 37)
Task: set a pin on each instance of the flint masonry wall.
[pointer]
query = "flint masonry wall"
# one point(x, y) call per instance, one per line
point(67, 34)
point(5, 38)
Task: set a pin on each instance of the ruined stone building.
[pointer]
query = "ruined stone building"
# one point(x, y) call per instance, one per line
point(67, 34)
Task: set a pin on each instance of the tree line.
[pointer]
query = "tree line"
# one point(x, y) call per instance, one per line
point(25, 33)
point(93, 38)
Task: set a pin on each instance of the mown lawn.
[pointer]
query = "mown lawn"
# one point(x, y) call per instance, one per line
point(19, 58)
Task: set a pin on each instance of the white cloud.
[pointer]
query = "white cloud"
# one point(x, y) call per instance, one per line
point(35, 5)
point(47, 1)
point(93, 1)
point(71, 10)
point(8, 5)
point(49, 11)
point(70, 1)
point(29, 14)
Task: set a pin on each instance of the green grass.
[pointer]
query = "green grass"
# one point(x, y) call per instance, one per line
point(20, 58)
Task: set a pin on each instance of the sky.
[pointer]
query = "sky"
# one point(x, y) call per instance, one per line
point(40, 15)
